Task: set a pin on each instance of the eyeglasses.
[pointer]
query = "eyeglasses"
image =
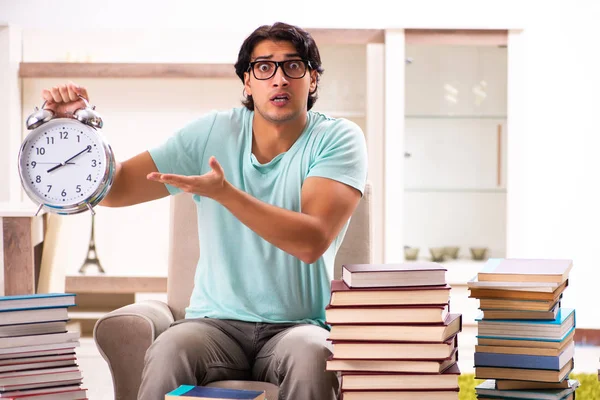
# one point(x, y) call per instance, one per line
point(294, 69)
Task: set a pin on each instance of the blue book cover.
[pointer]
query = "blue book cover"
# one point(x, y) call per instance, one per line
point(36, 301)
point(561, 317)
point(526, 361)
point(203, 392)
point(488, 389)
point(36, 296)
point(560, 339)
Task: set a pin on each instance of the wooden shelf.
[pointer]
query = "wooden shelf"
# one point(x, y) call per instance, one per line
point(347, 36)
point(124, 70)
point(116, 284)
point(93, 315)
point(180, 70)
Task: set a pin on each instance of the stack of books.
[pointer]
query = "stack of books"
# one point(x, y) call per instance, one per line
point(525, 339)
point(37, 352)
point(392, 332)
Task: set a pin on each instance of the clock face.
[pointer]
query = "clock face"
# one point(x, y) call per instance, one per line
point(62, 162)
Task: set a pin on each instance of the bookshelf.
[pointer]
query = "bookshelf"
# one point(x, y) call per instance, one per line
point(115, 284)
point(71, 70)
point(455, 139)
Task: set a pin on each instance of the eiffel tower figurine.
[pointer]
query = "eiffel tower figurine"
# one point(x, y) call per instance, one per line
point(92, 256)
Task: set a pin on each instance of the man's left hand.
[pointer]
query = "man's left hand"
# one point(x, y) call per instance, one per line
point(212, 184)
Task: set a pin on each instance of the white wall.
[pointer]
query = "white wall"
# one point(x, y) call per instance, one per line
point(10, 100)
point(552, 199)
point(553, 170)
point(240, 16)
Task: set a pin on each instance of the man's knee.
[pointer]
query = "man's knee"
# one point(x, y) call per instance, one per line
point(305, 349)
point(175, 345)
point(163, 346)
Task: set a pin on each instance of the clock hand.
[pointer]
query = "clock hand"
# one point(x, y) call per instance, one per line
point(53, 163)
point(62, 164)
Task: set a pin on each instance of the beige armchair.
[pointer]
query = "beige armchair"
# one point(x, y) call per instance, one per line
point(124, 335)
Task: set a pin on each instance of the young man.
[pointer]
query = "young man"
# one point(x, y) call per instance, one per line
point(275, 186)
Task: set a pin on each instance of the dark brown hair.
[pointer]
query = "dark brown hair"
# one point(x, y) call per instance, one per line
point(279, 31)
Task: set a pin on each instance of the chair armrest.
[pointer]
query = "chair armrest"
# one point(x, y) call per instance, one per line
point(123, 336)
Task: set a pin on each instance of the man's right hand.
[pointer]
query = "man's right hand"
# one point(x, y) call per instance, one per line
point(130, 184)
point(64, 99)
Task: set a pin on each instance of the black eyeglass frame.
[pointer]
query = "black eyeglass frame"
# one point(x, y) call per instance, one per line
point(277, 65)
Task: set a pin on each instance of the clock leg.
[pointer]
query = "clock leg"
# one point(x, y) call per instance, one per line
point(90, 208)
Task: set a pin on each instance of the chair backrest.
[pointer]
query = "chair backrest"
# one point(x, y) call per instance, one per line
point(184, 247)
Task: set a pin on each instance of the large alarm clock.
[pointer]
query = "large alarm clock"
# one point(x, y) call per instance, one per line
point(65, 164)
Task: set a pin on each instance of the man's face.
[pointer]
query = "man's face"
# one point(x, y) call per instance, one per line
point(279, 98)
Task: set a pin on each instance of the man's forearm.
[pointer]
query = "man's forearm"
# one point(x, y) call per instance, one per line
point(109, 199)
point(293, 232)
point(131, 185)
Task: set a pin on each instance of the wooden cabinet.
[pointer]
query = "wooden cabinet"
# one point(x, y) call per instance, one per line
point(21, 241)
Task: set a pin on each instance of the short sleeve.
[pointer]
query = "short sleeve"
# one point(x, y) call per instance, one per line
point(342, 155)
point(183, 153)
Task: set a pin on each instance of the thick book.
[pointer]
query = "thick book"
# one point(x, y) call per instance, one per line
point(448, 380)
point(26, 364)
point(417, 314)
point(34, 301)
point(47, 393)
point(485, 293)
point(343, 295)
point(38, 350)
point(8, 379)
point(394, 275)
point(390, 350)
point(529, 329)
point(33, 328)
point(525, 360)
point(488, 388)
point(446, 394)
point(19, 341)
point(507, 384)
point(40, 385)
point(522, 374)
point(188, 392)
point(532, 343)
point(44, 358)
point(416, 366)
point(399, 333)
point(525, 270)
point(532, 351)
point(520, 314)
point(11, 317)
point(79, 394)
point(518, 305)
point(542, 287)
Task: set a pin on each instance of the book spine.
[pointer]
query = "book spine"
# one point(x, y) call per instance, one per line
point(516, 361)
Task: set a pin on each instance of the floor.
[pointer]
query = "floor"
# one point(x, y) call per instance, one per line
point(98, 381)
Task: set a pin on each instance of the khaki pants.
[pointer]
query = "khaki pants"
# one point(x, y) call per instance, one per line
point(200, 351)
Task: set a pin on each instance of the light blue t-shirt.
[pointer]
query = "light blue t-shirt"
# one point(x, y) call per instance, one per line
point(240, 275)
